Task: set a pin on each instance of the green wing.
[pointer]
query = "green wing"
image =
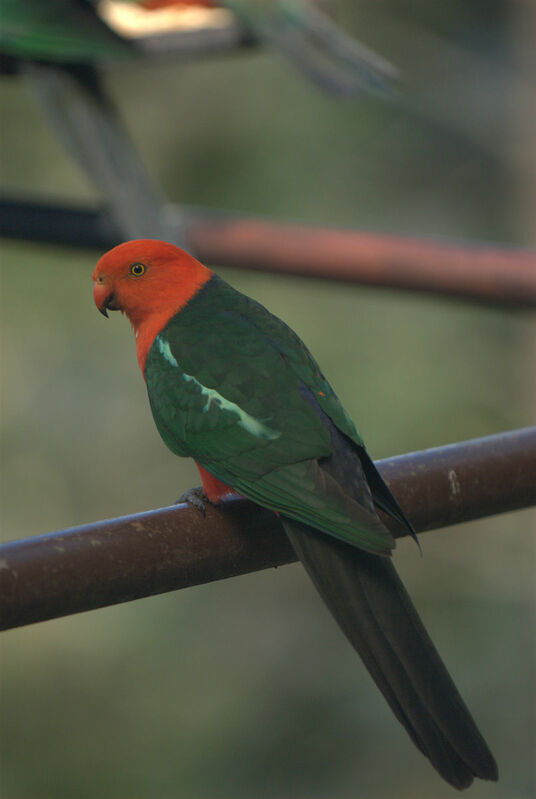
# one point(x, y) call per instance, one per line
point(227, 383)
point(61, 31)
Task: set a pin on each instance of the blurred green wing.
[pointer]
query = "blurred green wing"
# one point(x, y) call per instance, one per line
point(62, 31)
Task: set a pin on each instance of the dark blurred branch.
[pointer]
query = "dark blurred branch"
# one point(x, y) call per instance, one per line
point(162, 550)
point(492, 274)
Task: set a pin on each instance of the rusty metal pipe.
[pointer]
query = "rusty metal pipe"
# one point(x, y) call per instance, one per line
point(481, 272)
point(117, 560)
point(485, 273)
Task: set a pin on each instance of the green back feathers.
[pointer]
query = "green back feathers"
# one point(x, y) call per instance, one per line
point(225, 380)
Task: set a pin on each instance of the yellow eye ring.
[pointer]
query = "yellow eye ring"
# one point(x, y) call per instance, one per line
point(137, 269)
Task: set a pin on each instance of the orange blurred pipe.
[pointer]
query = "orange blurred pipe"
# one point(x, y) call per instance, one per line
point(487, 273)
point(480, 272)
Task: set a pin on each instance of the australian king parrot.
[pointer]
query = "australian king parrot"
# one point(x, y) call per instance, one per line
point(233, 387)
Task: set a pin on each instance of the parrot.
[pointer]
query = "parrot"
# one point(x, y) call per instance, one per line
point(58, 46)
point(77, 32)
point(233, 387)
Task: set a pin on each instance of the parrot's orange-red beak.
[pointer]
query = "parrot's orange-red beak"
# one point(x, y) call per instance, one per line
point(104, 298)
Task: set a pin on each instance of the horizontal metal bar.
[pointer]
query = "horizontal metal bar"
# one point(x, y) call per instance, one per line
point(162, 550)
point(476, 271)
point(32, 220)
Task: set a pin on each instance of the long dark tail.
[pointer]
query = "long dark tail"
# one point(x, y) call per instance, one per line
point(372, 607)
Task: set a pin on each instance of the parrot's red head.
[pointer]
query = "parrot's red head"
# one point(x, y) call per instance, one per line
point(148, 280)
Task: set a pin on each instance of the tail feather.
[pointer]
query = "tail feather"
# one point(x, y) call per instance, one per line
point(372, 607)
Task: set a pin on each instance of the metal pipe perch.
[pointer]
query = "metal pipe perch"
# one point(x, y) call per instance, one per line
point(116, 560)
point(477, 271)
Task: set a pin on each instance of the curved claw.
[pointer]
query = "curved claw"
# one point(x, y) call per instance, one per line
point(195, 497)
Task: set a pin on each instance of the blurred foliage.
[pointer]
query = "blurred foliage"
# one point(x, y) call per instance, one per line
point(245, 688)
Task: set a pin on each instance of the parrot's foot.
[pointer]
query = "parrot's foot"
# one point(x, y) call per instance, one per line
point(195, 497)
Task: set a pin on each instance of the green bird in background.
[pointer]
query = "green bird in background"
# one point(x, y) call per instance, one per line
point(233, 387)
point(58, 31)
point(78, 32)
point(58, 46)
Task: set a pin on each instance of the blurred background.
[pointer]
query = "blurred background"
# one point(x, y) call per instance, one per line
point(245, 688)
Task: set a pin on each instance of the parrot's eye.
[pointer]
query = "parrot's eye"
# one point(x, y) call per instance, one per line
point(137, 269)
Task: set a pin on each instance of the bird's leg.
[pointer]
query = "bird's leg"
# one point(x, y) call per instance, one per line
point(212, 491)
point(195, 497)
